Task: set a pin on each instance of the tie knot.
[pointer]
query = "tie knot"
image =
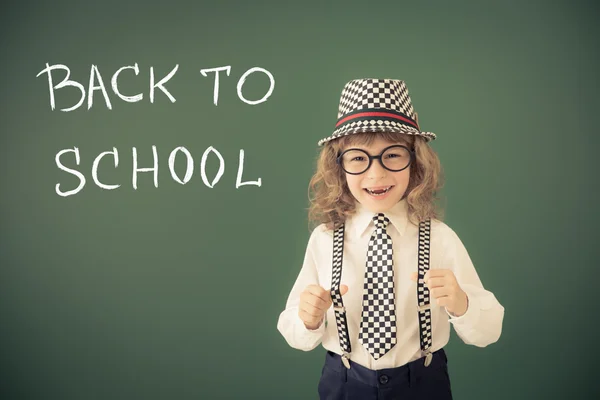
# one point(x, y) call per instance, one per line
point(381, 221)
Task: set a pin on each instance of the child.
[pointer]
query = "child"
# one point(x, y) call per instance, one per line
point(383, 278)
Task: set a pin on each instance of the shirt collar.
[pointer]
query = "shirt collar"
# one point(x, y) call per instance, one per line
point(364, 217)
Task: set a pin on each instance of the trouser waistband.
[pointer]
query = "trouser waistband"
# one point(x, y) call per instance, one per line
point(389, 376)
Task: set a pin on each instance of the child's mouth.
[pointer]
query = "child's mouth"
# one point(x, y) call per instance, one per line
point(381, 191)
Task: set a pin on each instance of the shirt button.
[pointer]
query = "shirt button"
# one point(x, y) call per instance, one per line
point(383, 379)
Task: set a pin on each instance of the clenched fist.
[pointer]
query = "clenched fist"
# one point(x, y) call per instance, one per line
point(444, 288)
point(314, 303)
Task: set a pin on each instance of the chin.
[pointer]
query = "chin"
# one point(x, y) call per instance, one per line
point(380, 205)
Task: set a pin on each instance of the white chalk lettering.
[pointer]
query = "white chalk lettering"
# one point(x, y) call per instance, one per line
point(190, 165)
point(172, 157)
point(64, 83)
point(203, 167)
point(115, 154)
point(160, 84)
point(216, 87)
point(96, 83)
point(243, 79)
point(136, 169)
point(238, 181)
point(115, 88)
point(71, 171)
point(94, 72)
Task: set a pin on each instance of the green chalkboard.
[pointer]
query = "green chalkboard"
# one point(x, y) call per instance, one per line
point(173, 290)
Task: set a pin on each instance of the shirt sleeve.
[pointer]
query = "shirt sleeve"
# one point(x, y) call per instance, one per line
point(481, 324)
point(290, 325)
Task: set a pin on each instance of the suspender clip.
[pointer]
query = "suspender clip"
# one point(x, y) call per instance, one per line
point(428, 357)
point(339, 309)
point(424, 307)
point(345, 360)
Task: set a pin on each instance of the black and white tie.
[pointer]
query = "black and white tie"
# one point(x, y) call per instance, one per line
point(378, 321)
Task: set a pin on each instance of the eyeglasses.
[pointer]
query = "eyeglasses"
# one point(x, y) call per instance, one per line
point(393, 158)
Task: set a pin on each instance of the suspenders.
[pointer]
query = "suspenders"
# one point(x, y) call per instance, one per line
point(423, 300)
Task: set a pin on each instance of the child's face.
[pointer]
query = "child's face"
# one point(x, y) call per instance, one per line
point(376, 178)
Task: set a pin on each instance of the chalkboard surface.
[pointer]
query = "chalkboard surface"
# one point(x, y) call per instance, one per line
point(153, 224)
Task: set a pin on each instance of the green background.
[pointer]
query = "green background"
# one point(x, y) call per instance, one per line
point(174, 292)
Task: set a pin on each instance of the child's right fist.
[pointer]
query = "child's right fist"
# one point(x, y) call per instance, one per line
point(314, 302)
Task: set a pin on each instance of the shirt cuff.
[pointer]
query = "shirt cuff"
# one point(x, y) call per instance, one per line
point(470, 316)
point(311, 332)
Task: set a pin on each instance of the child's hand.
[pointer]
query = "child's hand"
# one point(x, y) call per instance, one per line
point(314, 303)
point(445, 289)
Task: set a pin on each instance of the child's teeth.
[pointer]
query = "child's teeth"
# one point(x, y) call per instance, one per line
point(379, 194)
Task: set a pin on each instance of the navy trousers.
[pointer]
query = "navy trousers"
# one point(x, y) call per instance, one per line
point(412, 381)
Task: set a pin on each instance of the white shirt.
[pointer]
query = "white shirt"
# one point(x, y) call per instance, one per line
point(479, 326)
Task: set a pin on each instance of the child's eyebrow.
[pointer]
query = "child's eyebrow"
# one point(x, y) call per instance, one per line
point(362, 147)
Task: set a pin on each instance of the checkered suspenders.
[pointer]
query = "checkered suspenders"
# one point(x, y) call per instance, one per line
point(423, 299)
point(336, 297)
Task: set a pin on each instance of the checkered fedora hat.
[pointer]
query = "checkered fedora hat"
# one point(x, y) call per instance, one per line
point(376, 105)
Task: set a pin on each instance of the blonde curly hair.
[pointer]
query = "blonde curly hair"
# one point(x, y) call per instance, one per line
point(331, 201)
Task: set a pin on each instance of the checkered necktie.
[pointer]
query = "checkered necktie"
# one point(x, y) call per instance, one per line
point(378, 322)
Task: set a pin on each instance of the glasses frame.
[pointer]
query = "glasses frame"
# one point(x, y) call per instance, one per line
point(377, 157)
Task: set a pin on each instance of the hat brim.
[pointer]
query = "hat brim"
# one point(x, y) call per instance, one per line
point(377, 126)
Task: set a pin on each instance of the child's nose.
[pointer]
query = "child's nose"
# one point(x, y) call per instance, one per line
point(376, 171)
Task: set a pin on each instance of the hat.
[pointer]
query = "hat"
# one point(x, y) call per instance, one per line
point(376, 105)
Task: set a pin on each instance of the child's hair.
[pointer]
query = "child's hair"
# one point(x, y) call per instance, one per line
point(332, 202)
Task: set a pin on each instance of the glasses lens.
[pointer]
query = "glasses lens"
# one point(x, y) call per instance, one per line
point(355, 161)
point(396, 158)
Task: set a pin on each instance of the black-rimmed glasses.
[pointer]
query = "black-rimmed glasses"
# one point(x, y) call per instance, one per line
point(393, 158)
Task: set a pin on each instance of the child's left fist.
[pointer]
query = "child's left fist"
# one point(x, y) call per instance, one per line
point(445, 289)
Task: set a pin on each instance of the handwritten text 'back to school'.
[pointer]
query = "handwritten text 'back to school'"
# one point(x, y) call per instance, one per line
point(96, 83)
